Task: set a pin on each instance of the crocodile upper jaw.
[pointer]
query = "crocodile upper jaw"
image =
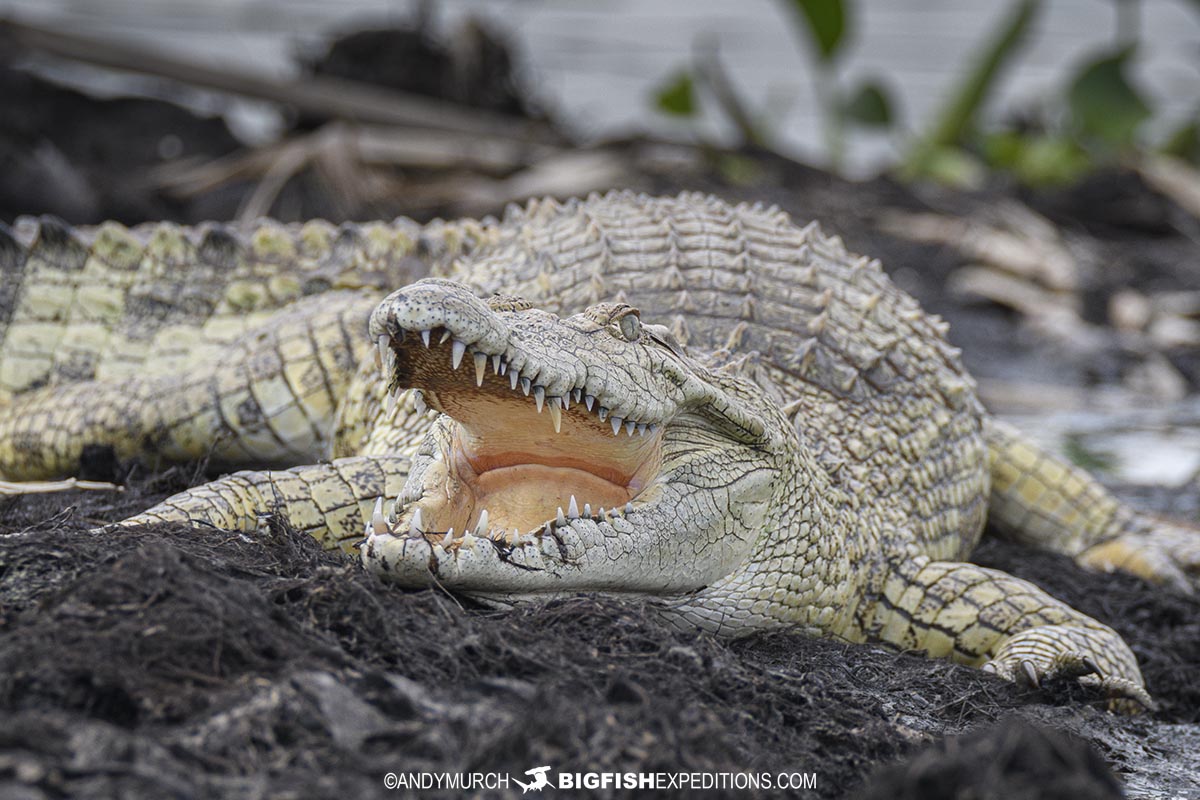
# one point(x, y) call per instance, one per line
point(517, 462)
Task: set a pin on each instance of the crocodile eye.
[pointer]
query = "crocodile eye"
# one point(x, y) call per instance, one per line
point(660, 334)
point(631, 326)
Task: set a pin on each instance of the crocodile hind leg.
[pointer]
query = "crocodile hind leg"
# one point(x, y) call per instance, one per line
point(266, 399)
point(1046, 502)
point(986, 618)
point(332, 502)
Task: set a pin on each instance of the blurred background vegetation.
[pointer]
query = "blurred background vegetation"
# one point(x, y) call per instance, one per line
point(1092, 116)
point(1043, 91)
point(1028, 169)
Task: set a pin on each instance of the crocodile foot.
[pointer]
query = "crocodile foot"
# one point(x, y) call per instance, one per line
point(1167, 555)
point(1029, 668)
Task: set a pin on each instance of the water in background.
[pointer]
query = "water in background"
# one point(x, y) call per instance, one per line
point(598, 62)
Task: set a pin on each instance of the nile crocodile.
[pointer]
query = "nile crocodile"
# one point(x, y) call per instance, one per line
point(669, 397)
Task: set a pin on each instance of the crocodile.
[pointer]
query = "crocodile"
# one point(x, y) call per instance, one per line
point(677, 398)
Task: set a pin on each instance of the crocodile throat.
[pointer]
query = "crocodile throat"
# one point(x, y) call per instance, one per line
point(516, 462)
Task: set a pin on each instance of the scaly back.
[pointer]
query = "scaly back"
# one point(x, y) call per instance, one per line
point(867, 377)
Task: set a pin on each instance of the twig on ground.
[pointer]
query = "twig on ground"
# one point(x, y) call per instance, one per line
point(323, 96)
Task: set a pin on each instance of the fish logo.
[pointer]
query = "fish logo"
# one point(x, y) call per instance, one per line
point(539, 782)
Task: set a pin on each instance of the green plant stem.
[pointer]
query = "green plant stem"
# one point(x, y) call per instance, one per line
point(959, 114)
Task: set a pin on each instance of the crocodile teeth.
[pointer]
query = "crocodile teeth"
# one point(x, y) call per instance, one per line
point(642, 428)
point(425, 338)
point(481, 527)
point(629, 508)
point(588, 400)
point(577, 396)
point(602, 412)
point(513, 377)
point(419, 402)
point(417, 524)
point(600, 513)
point(556, 414)
point(496, 365)
point(616, 425)
point(630, 426)
point(378, 522)
point(565, 400)
point(445, 336)
point(380, 350)
point(560, 519)
point(525, 384)
point(449, 537)
point(457, 351)
point(587, 509)
point(480, 368)
point(573, 508)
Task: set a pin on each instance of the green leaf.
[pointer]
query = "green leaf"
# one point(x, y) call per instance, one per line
point(677, 96)
point(825, 21)
point(1082, 454)
point(1052, 161)
point(1184, 142)
point(1037, 159)
point(1103, 104)
point(1003, 149)
point(868, 106)
point(951, 166)
point(739, 170)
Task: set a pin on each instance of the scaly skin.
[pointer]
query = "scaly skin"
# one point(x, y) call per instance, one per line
point(796, 442)
point(234, 344)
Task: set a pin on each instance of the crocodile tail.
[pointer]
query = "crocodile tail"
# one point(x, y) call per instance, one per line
point(12, 262)
point(269, 397)
point(84, 303)
point(83, 429)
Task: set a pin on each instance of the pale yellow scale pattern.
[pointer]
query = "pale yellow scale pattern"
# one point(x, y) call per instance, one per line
point(248, 346)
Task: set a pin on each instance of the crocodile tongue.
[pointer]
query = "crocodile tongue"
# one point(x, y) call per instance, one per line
point(522, 471)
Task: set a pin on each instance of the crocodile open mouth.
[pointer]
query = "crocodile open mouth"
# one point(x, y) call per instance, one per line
point(519, 462)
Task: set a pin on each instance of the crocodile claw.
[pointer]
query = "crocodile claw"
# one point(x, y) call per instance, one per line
point(1030, 673)
point(1123, 695)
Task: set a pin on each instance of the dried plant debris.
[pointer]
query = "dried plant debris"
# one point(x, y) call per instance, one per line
point(171, 660)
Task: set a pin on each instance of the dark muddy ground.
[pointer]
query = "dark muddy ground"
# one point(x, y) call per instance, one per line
point(178, 662)
point(172, 662)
